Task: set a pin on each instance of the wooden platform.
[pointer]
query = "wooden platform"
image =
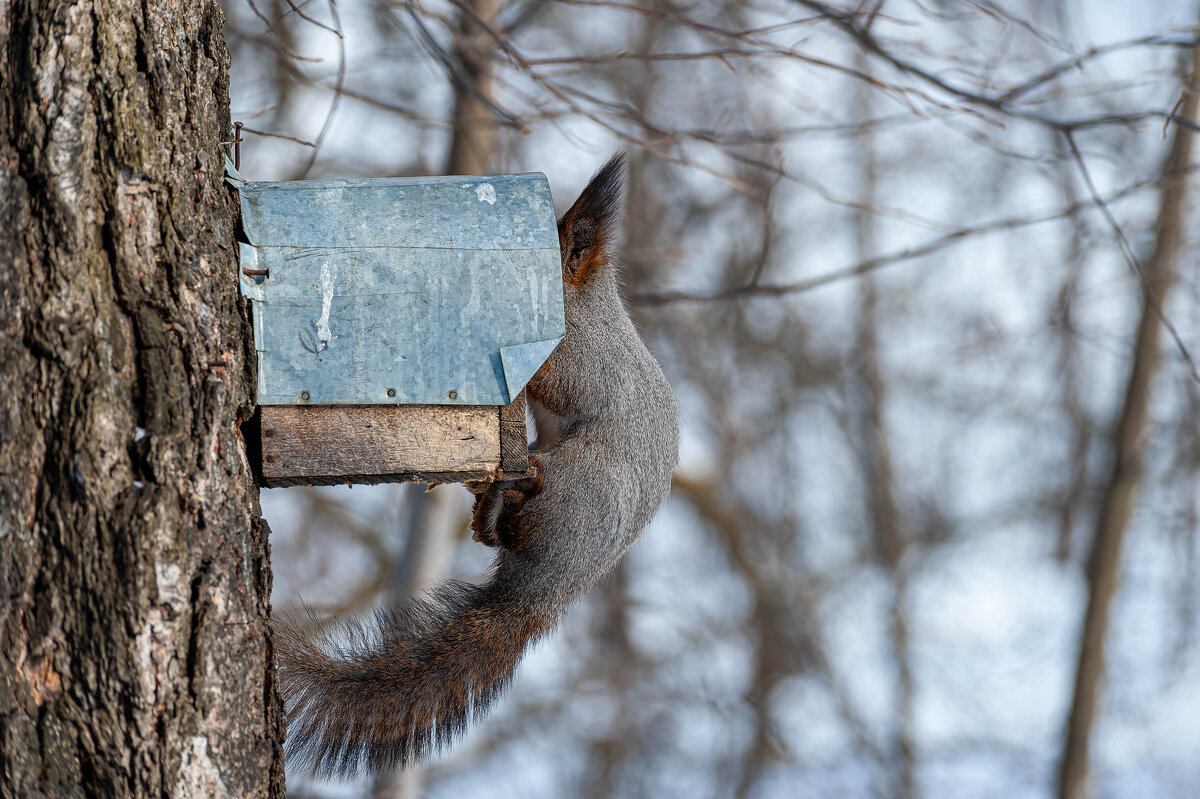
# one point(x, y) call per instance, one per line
point(369, 444)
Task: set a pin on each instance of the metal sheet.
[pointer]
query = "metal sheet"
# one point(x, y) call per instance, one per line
point(401, 291)
point(494, 212)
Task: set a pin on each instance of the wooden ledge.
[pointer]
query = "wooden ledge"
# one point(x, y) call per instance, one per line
point(369, 444)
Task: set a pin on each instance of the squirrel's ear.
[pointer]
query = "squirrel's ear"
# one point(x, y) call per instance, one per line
point(585, 230)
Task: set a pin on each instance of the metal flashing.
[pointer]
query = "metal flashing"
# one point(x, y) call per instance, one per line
point(441, 291)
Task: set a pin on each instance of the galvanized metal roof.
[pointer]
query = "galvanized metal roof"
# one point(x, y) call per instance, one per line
point(439, 290)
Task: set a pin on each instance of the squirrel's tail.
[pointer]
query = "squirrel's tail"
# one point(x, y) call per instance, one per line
point(395, 688)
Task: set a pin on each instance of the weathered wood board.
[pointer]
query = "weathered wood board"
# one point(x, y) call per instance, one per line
point(514, 444)
point(341, 444)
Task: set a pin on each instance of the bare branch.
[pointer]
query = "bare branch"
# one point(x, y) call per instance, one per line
point(279, 136)
point(870, 265)
point(1174, 174)
point(337, 90)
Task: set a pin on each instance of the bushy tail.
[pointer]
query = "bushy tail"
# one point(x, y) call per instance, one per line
point(391, 690)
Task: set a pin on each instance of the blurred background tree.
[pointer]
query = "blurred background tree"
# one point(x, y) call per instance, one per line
point(923, 276)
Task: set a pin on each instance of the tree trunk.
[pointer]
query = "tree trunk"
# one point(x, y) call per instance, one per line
point(1128, 440)
point(869, 401)
point(134, 643)
point(474, 144)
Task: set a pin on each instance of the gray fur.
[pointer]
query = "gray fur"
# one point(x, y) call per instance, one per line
point(608, 440)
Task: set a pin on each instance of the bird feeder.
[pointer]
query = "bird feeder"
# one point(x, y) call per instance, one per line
point(396, 323)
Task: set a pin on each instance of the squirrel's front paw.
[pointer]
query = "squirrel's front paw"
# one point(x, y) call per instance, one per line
point(538, 480)
point(484, 513)
point(485, 535)
point(494, 515)
point(508, 526)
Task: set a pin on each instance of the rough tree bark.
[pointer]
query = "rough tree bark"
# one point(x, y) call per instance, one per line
point(134, 643)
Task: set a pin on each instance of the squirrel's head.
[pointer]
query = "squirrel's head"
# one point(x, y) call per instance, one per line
point(587, 229)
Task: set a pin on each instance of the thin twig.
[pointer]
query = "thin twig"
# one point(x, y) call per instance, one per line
point(296, 10)
point(267, 135)
point(337, 90)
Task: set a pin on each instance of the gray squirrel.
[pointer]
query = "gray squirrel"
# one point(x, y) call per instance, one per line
point(406, 682)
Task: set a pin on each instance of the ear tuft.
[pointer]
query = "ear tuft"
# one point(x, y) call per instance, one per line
point(588, 226)
point(601, 200)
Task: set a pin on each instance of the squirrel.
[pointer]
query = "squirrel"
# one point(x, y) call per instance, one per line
point(396, 688)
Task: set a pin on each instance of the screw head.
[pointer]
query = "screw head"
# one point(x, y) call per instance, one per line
point(452, 394)
point(391, 392)
point(304, 395)
point(268, 433)
point(270, 459)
